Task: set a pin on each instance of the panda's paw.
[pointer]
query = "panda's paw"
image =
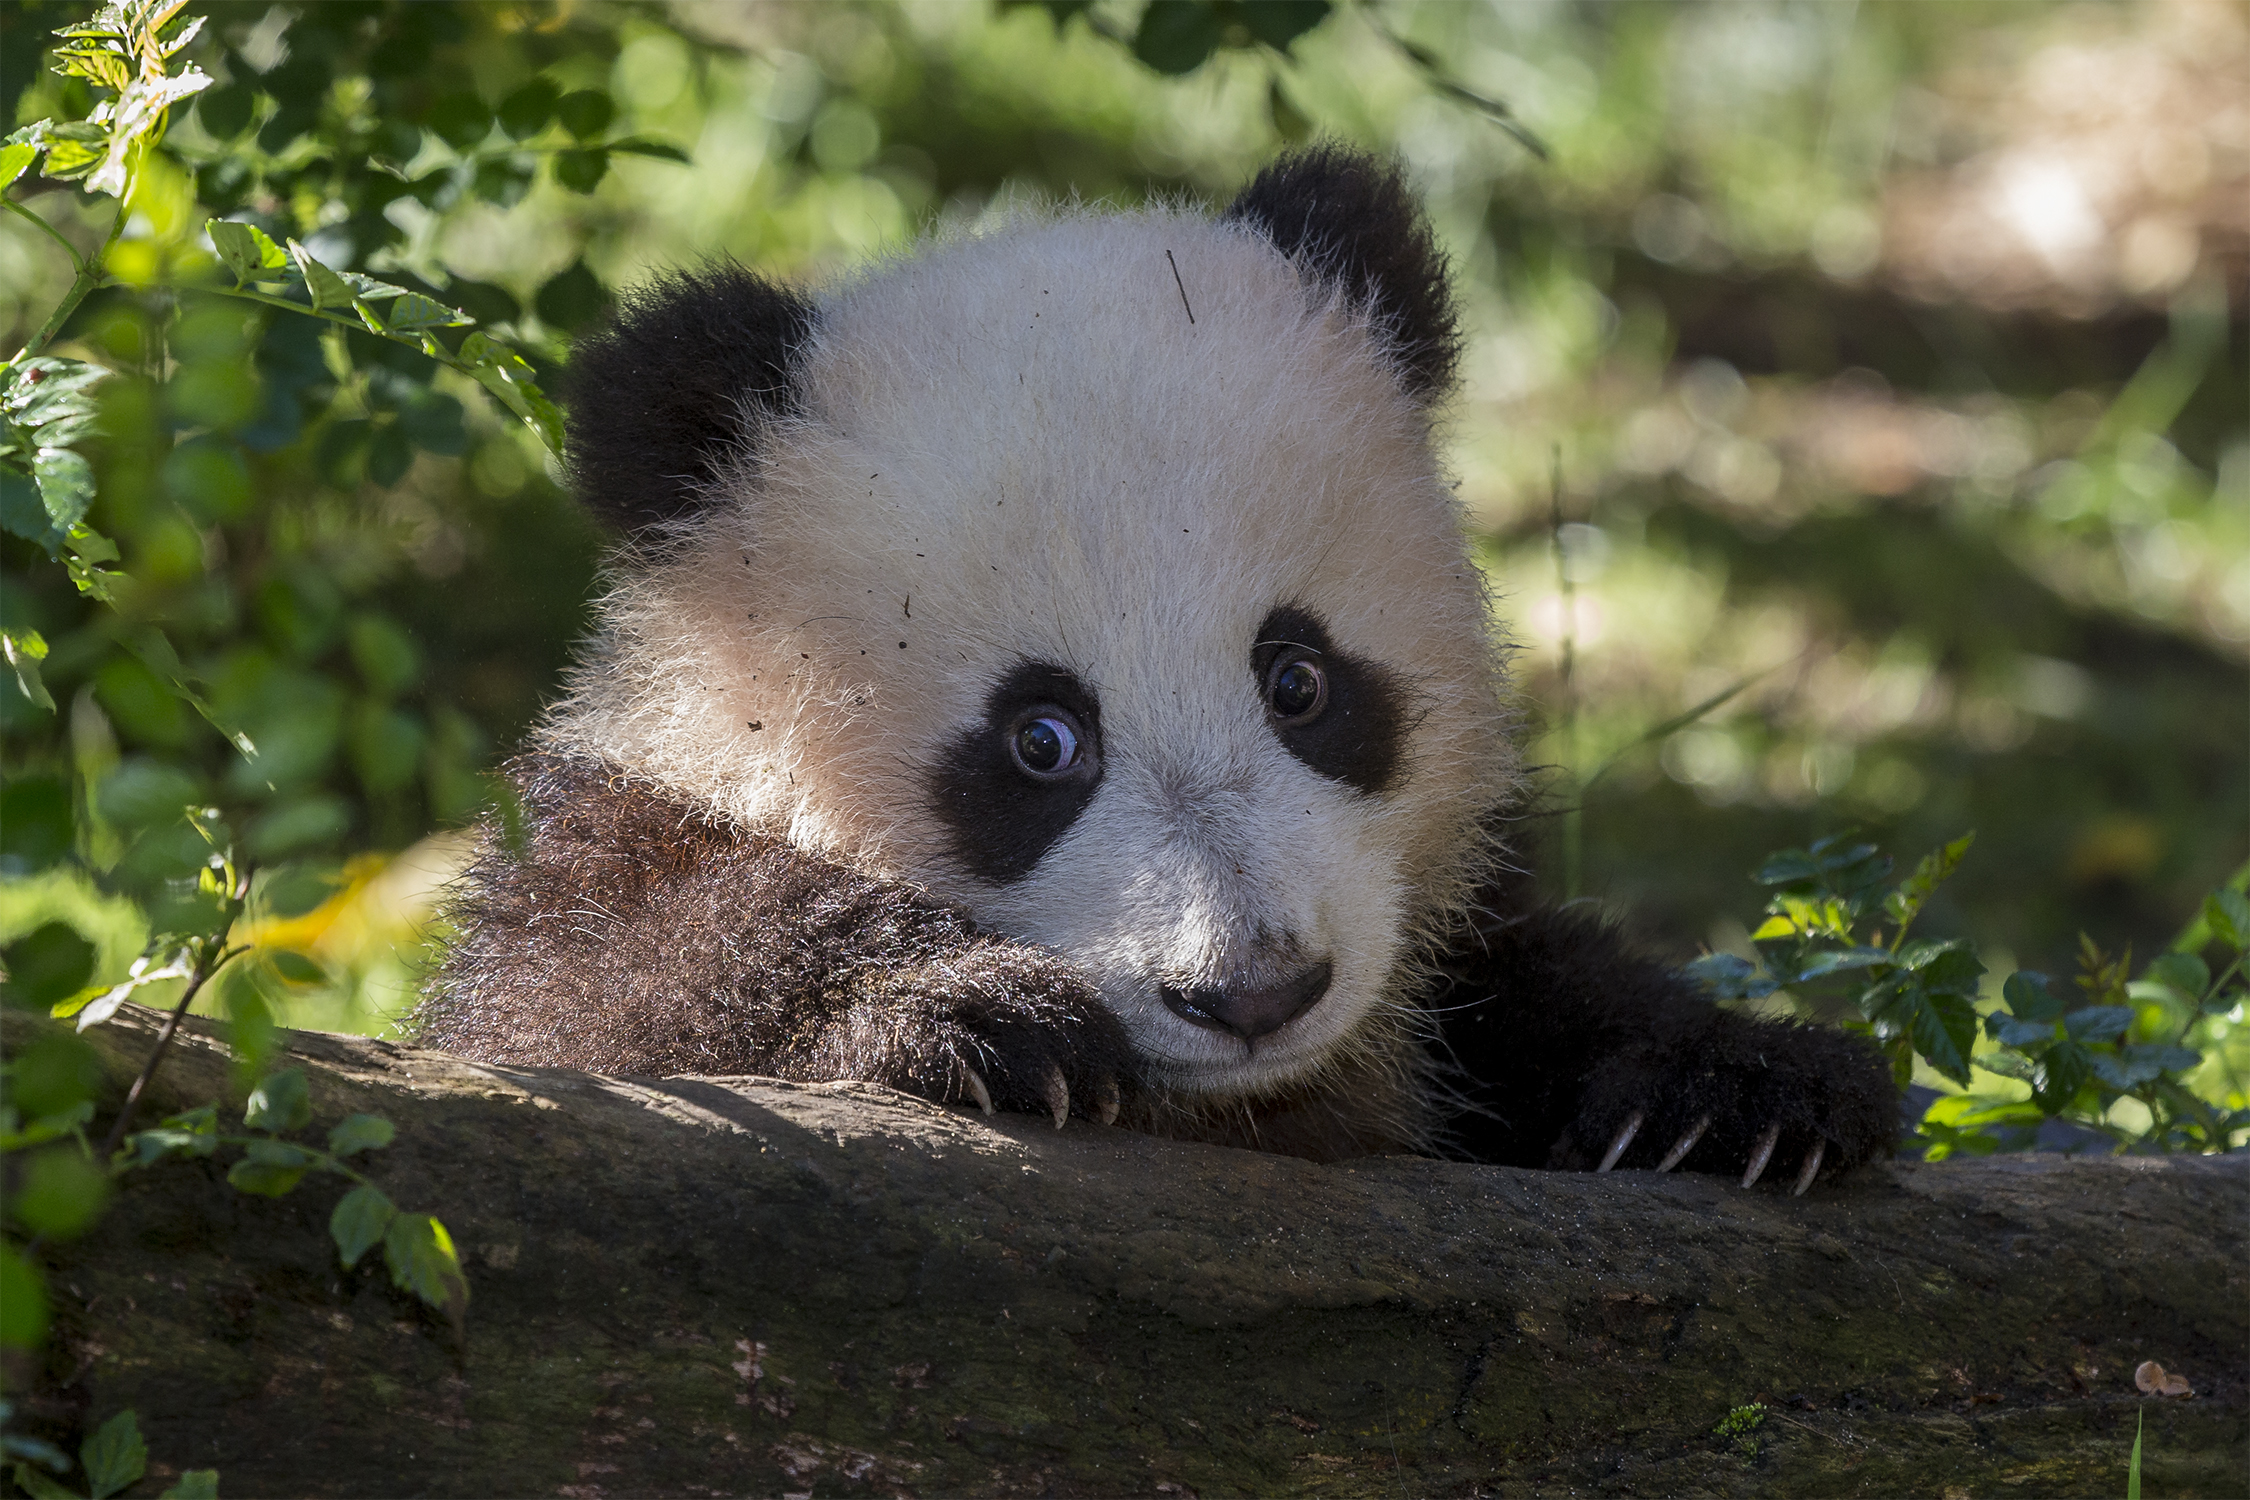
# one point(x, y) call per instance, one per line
point(1756, 1101)
point(1022, 1030)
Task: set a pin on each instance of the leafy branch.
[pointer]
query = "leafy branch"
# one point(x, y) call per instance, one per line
point(1919, 997)
point(416, 1247)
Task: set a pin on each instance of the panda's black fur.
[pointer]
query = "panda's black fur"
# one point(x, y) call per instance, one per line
point(759, 840)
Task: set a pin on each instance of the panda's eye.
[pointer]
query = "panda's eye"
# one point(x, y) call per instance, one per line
point(1296, 690)
point(1045, 746)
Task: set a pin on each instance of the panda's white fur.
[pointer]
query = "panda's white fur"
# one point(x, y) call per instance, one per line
point(1114, 441)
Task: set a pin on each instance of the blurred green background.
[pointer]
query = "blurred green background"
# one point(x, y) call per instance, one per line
point(1884, 363)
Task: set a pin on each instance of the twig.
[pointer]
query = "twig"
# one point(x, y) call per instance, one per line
point(53, 233)
point(196, 977)
point(1181, 285)
point(89, 276)
point(1573, 827)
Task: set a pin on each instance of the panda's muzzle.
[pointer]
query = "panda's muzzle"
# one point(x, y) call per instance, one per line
point(1250, 1010)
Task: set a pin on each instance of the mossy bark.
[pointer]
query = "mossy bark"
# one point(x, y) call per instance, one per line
point(693, 1286)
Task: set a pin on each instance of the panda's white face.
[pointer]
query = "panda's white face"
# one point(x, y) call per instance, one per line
point(1145, 637)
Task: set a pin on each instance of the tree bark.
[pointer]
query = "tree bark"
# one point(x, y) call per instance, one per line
point(699, 1286)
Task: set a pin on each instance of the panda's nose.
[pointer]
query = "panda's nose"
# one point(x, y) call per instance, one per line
point(1249, 1011)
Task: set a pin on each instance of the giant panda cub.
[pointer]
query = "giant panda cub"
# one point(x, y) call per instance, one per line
point(1045, 673)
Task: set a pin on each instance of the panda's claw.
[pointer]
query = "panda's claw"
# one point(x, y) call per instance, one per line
point(1623, 1139)
point(1057, 1095)
point(977, 1090)
point(1762, 1154)
point(1685, 1144)
point(1106, 1100)
point(1811, 1168)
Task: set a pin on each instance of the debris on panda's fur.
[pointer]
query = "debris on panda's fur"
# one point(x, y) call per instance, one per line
point(1035, 689)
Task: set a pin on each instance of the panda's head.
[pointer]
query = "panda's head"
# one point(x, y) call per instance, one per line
point(1096, 574)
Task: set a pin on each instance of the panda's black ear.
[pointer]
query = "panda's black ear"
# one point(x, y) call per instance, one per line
point(664, 398)
point(1348, 219)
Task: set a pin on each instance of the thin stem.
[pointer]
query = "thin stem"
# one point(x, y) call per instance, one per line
point(52, 233)
point(196, 977)
point(1574, 815)
point(89, 277)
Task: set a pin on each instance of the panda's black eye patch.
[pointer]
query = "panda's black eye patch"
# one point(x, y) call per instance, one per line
point(1340, 714)
point(1006, 788)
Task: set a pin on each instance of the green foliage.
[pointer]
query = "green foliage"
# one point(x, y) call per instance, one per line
point(2133, 1465)
point(1739, 1429)
point(113, 1459)
point(1926, 1001)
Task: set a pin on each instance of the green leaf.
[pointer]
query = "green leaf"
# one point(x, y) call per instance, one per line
point(270, 1168)
point(280, 1102)
point(40, 1487)
point(1933, 871)
point(1724, 976)
point(66, 485)
point(154, 650)
point(14, 157)
point(60, 1193)
point(1277, 23)
point(526, 112)
point(585, 113)
point(422, 1261)
point(25, 650)
point(2063, 1070)
point(2228, 913)
point(356, 1133)
point(93, 1007)
point(361, 1221)
point(2182, 973)
point(1789, 867)
point(644, 145)
point(47, 964)
point(194, 1484)
point(581, 171)
point(114, 1456)
point(246, 249)
point(1177, 36)
point(295, 968)
point(327, 288)
point(413, 311)
point(2027, 995)
point(1944, 1029)
point(2022, 1035)
point(1837, 960)
point(2098, 1023)
point(1953, 972)
point(23, 1301)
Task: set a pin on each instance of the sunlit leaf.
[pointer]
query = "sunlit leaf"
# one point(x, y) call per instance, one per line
point(25, 650)
point(66, 484)
point(93, 1007)
point(14, 158)
point(422, 1260)
point(328, 290)
point(2227, 911)
point(246, 249)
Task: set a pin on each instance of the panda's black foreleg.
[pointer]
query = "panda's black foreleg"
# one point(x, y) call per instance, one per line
point(629, 933)
point(1563, 1048)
